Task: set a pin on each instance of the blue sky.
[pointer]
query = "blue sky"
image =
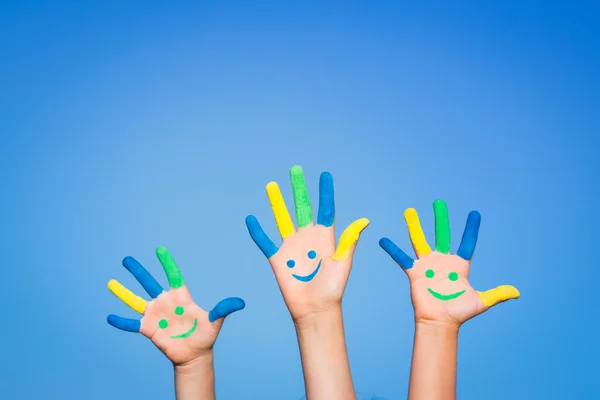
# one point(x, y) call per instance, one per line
point(126, 126)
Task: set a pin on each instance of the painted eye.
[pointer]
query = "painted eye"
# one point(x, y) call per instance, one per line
point(312, 254)
point(163, 323)
point(291, 263)
point(179, 310)
point(453, 276)
point(429, 273)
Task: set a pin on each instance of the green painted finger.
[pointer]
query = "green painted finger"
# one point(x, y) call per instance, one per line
point(301, 200)
point(442, 227)
point(168, 263)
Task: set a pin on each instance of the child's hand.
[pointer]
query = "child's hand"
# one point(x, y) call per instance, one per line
point(439, 284)
point(175, 324)
point(311, 273)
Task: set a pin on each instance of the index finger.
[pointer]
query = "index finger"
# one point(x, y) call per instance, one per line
point(326, 213)
point(168, 263)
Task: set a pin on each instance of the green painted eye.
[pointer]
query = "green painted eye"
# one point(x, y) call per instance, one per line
point(179, 310)
point(429, 273)
point(163, 323)
point(453, 276)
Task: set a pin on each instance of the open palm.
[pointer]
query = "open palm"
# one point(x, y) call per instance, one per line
point(176, 325)
point(310, 271)
point(440, 288)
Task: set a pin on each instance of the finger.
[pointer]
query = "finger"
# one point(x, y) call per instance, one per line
point(417, 237)
point(168, 263)
point(498, 295)
point(143, 276)
point(280, 211)
point(124, 324)
point(226, 307)
point(349, 238)
point(326, 214)
point(405, 261)
point(301, 200)
point(442, 227)
point(469, 238)
point(126, 296)
point(260, 237)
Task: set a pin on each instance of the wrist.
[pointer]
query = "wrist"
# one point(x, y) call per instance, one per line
point(319, 319)
point(196, 366)
point(437, 328)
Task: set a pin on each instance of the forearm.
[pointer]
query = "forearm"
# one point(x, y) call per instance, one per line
point(196, 380)
point(324, 356)
point(433, 370)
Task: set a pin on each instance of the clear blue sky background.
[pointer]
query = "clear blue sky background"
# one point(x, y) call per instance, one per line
point(128, 125)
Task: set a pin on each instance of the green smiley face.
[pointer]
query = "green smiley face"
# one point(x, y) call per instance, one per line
point(163, 323)
point(453, 276)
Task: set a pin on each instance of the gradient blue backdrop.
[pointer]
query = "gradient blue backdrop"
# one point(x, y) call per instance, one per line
point(128, 125)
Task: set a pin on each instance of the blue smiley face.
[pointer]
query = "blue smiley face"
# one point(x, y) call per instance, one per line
point(306, 278)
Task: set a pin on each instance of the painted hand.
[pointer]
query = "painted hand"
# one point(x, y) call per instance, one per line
point(175, 324)
point(310, 271)
point(439, 284)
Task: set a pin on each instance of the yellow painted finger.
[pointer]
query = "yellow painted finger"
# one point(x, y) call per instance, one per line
point(417, 237)
point(349, 238)
point(280, 211)
point(126, 296)
point(497, 295)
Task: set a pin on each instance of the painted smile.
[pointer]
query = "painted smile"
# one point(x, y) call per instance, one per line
point(308, 278)
point(445, 296)
point(188, 333)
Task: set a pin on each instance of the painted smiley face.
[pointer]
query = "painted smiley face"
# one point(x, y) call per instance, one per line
point(163, 323)
point(305, 278)
point(453, 276)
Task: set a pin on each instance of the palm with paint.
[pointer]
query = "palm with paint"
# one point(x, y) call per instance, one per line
point(310, 271)
point(440, 288)
point(176, 325)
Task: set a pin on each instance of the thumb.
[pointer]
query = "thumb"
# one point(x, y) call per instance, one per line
point(225, 307)
point(498, 295)
point(349, 238)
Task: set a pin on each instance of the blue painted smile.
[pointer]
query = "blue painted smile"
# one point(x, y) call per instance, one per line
point(308, 278)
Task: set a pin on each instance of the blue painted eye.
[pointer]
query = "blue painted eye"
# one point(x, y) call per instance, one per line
point(291, 263)
point(312, 254)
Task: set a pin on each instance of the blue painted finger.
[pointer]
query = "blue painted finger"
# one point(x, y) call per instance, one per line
point(226, 307)
point(260, 237)
point(124, 324)
point(469, 238)
point(142, 275)
point(326, 214)
point(404, 260)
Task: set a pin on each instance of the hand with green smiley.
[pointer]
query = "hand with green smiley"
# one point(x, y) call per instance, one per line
point(440, 288)
point(310, 271)
point(312, 274)
point(176, 325)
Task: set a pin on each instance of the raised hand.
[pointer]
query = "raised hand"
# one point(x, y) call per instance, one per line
point(440, 288)
point(175, 324)
point(310, 270)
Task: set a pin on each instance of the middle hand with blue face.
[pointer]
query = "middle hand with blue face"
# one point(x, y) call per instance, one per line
point(310, 270)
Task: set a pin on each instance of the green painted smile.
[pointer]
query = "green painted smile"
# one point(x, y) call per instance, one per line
point(445, 296)
point(188, 333)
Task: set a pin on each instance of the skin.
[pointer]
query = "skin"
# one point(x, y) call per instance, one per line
point(427, 306)
point(192, 356)
point(183, 350)
point(325, 290)
point(437, 322)
point(443, 299)
point(316, 310)
point(315, 305)
point(182, 330)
